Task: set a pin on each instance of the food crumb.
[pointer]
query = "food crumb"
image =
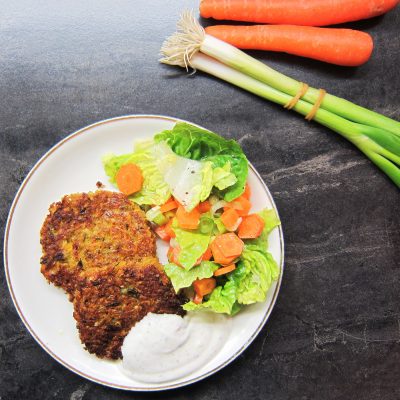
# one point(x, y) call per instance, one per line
point(99, 184)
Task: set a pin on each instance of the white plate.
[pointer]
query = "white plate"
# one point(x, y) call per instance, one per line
point(74, 165)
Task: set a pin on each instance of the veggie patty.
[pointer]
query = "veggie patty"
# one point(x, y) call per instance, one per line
point(100, 249)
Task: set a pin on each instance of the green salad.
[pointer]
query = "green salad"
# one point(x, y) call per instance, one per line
point(192, 184)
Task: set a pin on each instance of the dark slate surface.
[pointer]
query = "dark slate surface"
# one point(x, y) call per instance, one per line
point(335, 331)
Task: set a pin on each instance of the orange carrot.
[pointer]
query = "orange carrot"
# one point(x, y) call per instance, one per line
point(169, 205)
point(230, 219)
point(251, 227)
point(219, 256)
point(228, 244)
point(247, 191)
point(162, 233)
point(206, 256)
point(204, 286)
point(197, 299)
point(345, 47)
point(168, 228)
point(205, 206)
point(225, 270)
point(295, 12)
point(242, 205)
point(173, 254)
point(129, 179)
point(188, 220)
point(165, 232)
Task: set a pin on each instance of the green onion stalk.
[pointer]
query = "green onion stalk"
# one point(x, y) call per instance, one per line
point(377, 136)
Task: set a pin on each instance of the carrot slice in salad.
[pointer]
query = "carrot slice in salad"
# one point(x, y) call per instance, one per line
point(173, 254)
point(162, 233)
point(230, 219)
point(169, 205)
point(188, 220)
point(242, 205)
point(197, 299)
point(219, 257)
point(129, 179)
point(225, 270)
point(168, 228)
point(204, 207)
point(251, 227)
point(165, 232)
point(247, 191)
point(229, 244)
point(205, 257)
point(204, 286)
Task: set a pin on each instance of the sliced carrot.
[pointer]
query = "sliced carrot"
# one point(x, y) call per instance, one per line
point(204, 207)
point(169, 205)
point(205, 257)
point(197, 299)
point(242, 205)
point(162, 233)
point(229, 244)
point(219, 256)
point(204, 286)
point(165, 232)
point(225, 270)
point(168, 228)
point(230, 219)
point(188, 220)
point(173, 254)
point(251, 227)
point(129, 179)
point(247, 192)
point(346, 47)
point(295, 12)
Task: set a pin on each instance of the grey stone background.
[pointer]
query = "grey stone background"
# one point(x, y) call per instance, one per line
point(335, 330)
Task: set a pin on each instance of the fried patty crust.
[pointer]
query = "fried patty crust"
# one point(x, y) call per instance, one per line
point(100, 249)
point(109, 302)
point(86, 231)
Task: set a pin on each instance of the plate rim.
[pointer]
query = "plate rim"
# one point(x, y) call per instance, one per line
point(44, 346)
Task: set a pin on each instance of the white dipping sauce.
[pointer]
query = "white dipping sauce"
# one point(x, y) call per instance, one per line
point(164, 347)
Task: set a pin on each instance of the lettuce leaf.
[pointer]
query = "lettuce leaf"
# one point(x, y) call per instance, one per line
point(259, 270)
point(199, 144)
point(222, 177)
point(250, 281)
point(154, 190)
point(223, 299)
point(259, 267)
point(271, 221)
point(181, 278)
point(192, 244)
point(190, 181)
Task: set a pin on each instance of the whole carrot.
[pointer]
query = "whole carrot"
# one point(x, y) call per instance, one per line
point(336, 46)
point(295, 12)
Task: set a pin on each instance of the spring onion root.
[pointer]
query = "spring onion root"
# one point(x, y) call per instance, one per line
point(377, 136)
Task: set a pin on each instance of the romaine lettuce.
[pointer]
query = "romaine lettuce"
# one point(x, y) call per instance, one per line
point(192, 244)
point(181, 278)
point(198, 144)
point(223, 299)
point(271, 221)
point(260, 269)
point(250, 281)
point(154, 190)
point(222, 177)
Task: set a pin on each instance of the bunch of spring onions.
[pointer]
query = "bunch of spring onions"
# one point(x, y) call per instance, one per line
point(377, 136)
